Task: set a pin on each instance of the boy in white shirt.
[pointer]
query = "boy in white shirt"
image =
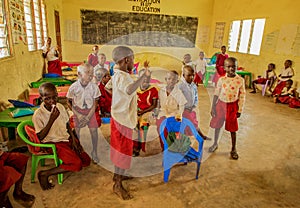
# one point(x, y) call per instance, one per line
point(200, 68)
point(83, 96)
point(123, 115)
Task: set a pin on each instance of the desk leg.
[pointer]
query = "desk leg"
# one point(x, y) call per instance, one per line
point(11, 133)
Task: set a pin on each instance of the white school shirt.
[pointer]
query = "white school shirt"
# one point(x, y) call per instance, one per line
point(200, 65)
point(172, 104)
point(50, 55)
point(83, 97)
point(58, 131)
point(286, 72)
point(190, 93)
point(124, 106)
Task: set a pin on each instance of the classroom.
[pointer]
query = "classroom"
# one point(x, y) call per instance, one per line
point(268, 171)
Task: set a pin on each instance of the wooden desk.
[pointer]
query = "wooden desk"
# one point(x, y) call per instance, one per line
point(12, 123)
point(34, 93)
point(245, 73)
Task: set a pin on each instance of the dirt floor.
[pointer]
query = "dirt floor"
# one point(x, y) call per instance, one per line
point(267, 173)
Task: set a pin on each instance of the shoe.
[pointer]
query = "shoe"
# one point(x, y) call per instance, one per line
point(234, 155)
point(213, 148)
point(253, 92)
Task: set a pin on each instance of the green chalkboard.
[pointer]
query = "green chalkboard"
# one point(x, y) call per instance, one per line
point(138, 29)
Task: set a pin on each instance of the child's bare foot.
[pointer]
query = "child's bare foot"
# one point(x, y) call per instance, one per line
point(24, 199)
point(44, 183)
point(121, 192)
point(213, 148)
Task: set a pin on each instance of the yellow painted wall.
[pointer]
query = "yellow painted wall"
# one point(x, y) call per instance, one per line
point(163, 57)
point(277, 13)
point(24, 67)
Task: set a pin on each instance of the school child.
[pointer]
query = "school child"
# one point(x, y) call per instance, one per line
point(220, 64)
point(147, 102)
point(93, 57)
point(103, 77)
point(295, 101)
point(51, 123)
point(187, 60)
point(228, 104)
point(101, 62)
point(123, 115)
point(200, 68)
point(12, 172)
point(171, 101)
point(51, 54)
point(190, 91)
point(286, 94)
point(286, 74)
point(83, 97)
point(269, 75)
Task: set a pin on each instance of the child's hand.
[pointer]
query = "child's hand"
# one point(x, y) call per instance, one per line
point(146, 64)
point(238, 115)
point(54, 113)
point(83, 121)
point(213, 112)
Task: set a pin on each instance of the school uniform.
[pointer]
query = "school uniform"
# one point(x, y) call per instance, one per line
point(93, 59)
point(53, 61)
point(200, 66)
point(282, 81)
point(231, 98)
point(11, 165)
point(190, 92)
point(123, 119)
point(105, 99)
point(58, 135)
point(220, 71)
point(83, 98)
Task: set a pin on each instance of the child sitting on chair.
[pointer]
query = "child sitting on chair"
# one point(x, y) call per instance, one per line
point(190, 91)
point(102, 77)
point(83, 96)
point(51, 123)
point(286, 94)
point(171, 101)
point(269, 75)
point(147, 102)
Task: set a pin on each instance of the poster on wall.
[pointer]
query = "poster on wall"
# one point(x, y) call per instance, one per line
point(17, 21)
point(286, 39)
point(296, 44)
point(219, 33)
point(138, 29)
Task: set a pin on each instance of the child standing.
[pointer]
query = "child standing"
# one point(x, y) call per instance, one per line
point(102, 77)
point(101, 62)
point(147, 102)
point(286, 74)
point(200, 68)
point(123, 115)
point(220, 64)
point(83, 96)
point(190, 91)
point(51, 123)
point(93, 57)
point(269, 75)
point(51, 53)
point(227, 104)
point(172, 101)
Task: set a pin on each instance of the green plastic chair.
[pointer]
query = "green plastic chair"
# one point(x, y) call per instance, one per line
point(36, 148)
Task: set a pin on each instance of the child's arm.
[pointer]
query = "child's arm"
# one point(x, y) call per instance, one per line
point(75, 145)
point(53, 116)
point(87, 118)
point(213, 107)
point(132, 87)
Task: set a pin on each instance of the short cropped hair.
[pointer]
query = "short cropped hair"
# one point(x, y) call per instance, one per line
point(189, 68)
point(47, 86)
point(81, 68)
point(121, 52)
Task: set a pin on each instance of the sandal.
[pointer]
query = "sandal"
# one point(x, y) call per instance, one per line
point(213, 148)
point(234, 155)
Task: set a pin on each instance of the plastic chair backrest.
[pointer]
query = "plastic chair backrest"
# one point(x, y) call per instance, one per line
point(33, 138)
point(175, 126)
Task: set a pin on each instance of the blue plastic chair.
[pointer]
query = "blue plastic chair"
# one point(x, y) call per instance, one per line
point(172, 158)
